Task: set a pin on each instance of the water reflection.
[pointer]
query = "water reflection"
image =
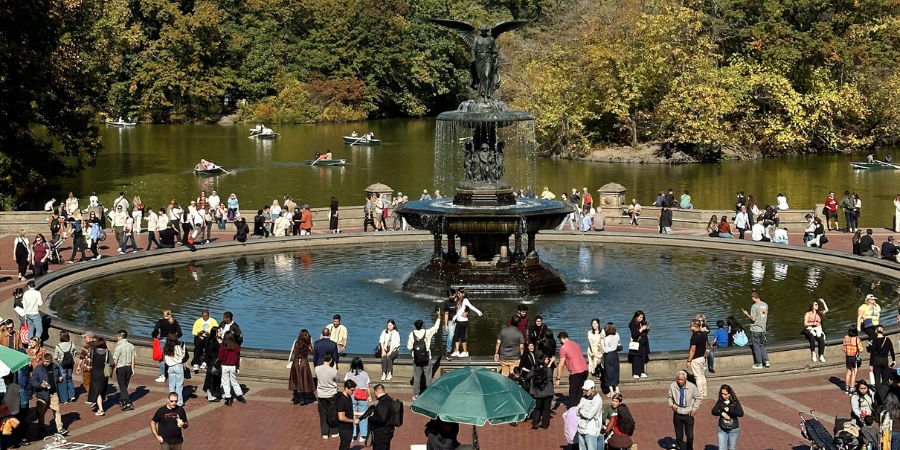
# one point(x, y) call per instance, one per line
point(758, 272)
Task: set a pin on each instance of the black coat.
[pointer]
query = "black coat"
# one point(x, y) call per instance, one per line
point(380, 420)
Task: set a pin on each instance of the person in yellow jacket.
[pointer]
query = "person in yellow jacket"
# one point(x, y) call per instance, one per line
point(201, 337)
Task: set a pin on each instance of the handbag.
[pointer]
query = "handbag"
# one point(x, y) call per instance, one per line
point(107, 368)
point(157, 350)
point(291, 357)
point(634, 346)
point(377, 352)
point(726, 424)
point(740, 338)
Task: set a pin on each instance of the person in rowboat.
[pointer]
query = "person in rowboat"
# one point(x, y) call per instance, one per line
point(328, 156)
point(871, 159)
point(354, 134)
point(888, 159)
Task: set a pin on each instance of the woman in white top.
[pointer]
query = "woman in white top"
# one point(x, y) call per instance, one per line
point(173, 355)
point(594, 350)
point(812, 329)
point(462, 320)
point(857, 206)
point(782, 202)
point(610, 346)
point(275, 210)
point(390, 349)
point(21, 248)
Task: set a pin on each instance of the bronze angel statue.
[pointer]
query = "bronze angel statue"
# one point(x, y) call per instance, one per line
point(484, 71)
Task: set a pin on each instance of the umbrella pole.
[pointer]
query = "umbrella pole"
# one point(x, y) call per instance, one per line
point(475, 438)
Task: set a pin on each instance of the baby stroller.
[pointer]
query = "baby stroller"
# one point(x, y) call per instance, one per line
point(821, 439)
point(54, 252)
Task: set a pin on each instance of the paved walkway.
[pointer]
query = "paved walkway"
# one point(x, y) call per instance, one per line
point(771, 401)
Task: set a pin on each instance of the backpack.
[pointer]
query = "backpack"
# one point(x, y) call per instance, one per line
point(396, 415)
point(420, 351)
point(331, 415)
point(54, 226)
point(68, 359)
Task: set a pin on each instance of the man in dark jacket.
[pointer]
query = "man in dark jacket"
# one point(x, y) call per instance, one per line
point(380, 421)
point(43, 381)
point(228, 324)
point(441, 435)
point(325, 345)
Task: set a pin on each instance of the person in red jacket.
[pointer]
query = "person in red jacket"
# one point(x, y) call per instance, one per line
point(306, 222)
point(831, 205)
point(522, 313)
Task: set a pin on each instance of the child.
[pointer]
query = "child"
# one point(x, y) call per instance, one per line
point(870, 434)
point(852, 347)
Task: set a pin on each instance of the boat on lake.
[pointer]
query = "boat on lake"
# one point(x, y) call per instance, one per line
point(266, 135)
point(350, 140)
point(211, 171)
point(325, 162)
point(873, 165)
point(120, 123)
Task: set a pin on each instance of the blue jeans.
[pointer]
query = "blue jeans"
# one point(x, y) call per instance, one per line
point(176, 381)
point(590, 442)
point(35, 327)
point(710, 362)
point(452, 330)
point(125, 243)
point(162, 364)
point(728, 439)
point(221, 223)
point(67, 387)
point(361, 406)
point(726, 235)
point(895, 440)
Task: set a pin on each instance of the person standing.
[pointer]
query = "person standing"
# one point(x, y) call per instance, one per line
point(639, 345)
point(343, 404)
point(665, 220)
point(831, 206)
point(684, 399)
point(100, 357)
point(610, 346)
point(380, 420)
point(326, 391)
point(301, 380)
point(123, 359)
point(21, 249)
point(728, 410)
point(200, 331)
point(153, 226)
point(522, 314)
point(510, 346)
point(228, 324)
point(696, 360)
point(595, 348)
point(12, 399)
point(390, 349)
point(338, 333)
point(572, 358)
point(168, 422)
point(759, 315)
point(163, 328)
point(742, 222)
point(450, 322)
point(84, 361)
point(846, 206)
point(128, 235)
point(880, 349)
point(306, 221)
point(173, 356)
point(590, 412)
point(325, 345)
point(44, 381)
point(118, 218)
point(39, 256)
point(462, 322)
point(853, 358)
point(31, 303)
point(360, 396)
point(212, 382)
point(333, 223)
point(897, 214)
point(64, 354)
point(230, 357)
point(419, 342)
point(540, 376)
point(367, 214)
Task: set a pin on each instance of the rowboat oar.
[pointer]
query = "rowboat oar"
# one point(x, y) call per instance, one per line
point(354, 142)
point(314, 162)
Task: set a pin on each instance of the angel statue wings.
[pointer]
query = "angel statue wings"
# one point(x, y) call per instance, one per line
point(484, 72)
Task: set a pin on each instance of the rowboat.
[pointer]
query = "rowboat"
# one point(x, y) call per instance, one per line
point(120, 124)
point(213, 171)
point(361, 141)
point(271, 135)
point(874, 165)
point(325, 162)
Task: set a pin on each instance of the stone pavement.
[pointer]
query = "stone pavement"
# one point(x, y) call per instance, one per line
point(771, 401)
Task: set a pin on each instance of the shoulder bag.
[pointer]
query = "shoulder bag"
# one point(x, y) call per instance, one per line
point(291, 356)
point(634, 345)
point(726, 424)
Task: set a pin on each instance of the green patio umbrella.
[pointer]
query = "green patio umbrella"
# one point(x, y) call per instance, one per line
point(474, 396)
point(11, 360)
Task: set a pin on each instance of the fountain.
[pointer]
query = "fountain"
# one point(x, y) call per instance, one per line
point(485, 213)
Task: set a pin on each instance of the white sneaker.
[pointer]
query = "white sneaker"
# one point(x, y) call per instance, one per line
point(390, 375)
point(822, 358)
point(643, 375)
point(637, 377)
point(203, 366)
point(454, 354)
point(324, 436)
point(362, 439)
point(814, 357)
point(383, 376)
point(161, 379)
point(464, 355)
point(121, 252)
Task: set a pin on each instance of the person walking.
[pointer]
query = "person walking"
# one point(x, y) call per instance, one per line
point(301, 380)
point(639, 345)
point(360, 396)
point(812, 323)
point(696, 361)
point(853, 357)
point(510, 346)
point(572, 358)
point(758, 315)
point(163, 328)
point(326, 391)
point(684, 399)
point(31, 303)
point(83, 367)
point(123, 360)
point(44, 381)
point(590, 411)
point(152, 228)
point(101, 369)
point(541, 390)
point(230, 358)
point(200, 331)
point(173, 356)
point(389, 343)
point(168, 422)
point(419, 343)
point(380, 420)
point(742, 222)
point(64, 354)
point(728, 410)
point(21, 249)
point(610, 346)
point(39, 256)
point(880, 349)
point(12, 400)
